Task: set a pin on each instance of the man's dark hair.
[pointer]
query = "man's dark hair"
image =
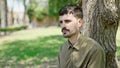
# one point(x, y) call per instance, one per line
point(71, 9)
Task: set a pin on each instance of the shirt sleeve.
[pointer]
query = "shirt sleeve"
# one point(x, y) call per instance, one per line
point(97, 59)
point(58, 61)
point(58, 66)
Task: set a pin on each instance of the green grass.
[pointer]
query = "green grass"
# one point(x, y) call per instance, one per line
point(118, 51)
point(30, 47)
point(36, 50)
point(118, 42)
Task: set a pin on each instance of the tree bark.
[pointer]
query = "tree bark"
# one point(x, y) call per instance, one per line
point(101, 19)
point(4, 21)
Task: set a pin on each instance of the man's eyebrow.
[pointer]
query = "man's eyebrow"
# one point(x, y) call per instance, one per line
point(67, 20)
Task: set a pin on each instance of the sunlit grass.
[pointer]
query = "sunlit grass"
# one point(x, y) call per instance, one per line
point(30, 47)
point(31, 34)
point(118, 42)
point(118, 51)
point(36, 50)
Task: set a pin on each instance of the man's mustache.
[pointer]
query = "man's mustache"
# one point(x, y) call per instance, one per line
point(65, 29)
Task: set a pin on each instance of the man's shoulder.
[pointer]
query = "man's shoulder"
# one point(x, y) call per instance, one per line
point(64, 43)
point(91, 43)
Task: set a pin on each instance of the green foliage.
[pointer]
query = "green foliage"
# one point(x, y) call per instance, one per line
point(13, 28)
point(55, 5)
point(41, 13)
point(30, 12)
point(30, 9)
point(36, 9)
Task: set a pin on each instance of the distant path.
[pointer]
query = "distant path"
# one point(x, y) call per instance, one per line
point(31, 34)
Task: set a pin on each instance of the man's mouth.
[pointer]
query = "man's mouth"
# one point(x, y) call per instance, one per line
point(64, 30)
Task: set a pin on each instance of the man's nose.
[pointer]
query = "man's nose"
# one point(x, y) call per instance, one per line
point(63, 24)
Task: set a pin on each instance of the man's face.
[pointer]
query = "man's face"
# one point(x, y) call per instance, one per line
point(69, 24)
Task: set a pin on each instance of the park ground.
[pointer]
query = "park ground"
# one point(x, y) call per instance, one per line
point(34, 48)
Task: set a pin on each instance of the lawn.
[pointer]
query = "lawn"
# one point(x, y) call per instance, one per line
point(33, 47)
point(118, 41)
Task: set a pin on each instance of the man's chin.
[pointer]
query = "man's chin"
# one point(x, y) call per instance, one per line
point(66, 36)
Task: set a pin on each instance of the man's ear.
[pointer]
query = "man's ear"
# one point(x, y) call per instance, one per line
point(80, 21)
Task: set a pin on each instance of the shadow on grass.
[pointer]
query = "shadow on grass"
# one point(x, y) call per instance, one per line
point(30, 51)
point(118, 51)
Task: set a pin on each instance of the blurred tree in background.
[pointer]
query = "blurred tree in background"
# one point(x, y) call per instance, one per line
point(4, 22)
point(49, 8)
point(55, 5)
point(31, 8)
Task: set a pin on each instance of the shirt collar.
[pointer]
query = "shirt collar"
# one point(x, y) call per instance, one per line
point(75, 46)
point(70, 45)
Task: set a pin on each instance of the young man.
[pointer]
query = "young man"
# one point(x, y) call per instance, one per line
point(79, 51)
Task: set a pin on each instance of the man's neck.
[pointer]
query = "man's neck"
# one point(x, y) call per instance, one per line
point(74, 38)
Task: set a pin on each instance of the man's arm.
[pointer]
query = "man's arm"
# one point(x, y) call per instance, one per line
point(97, 59)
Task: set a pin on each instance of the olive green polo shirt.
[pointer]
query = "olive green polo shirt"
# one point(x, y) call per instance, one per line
point(85, 53)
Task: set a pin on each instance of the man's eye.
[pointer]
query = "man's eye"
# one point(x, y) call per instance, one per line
point(60, 22)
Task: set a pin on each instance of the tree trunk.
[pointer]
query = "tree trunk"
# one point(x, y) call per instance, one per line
point(30, 16)
point(101, 23)
point(12, 14)
point(11, 18)
point(4, 14)
point(24, 16)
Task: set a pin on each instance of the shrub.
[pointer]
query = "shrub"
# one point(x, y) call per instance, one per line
point(13, 28)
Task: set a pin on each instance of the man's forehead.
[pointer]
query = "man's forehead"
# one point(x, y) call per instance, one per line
point(66, 16)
